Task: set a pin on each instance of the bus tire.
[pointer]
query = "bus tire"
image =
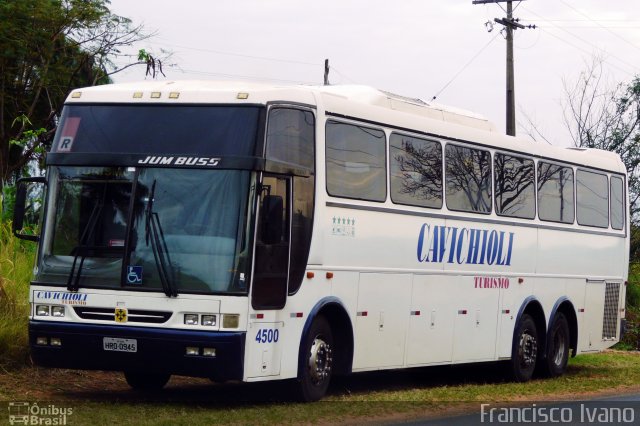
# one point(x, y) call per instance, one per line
point(317, 367)
point(525, 349)
point(146, 381)
point(557, 353)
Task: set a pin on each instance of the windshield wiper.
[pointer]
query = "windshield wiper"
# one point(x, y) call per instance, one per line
point(154, 234)
point(82, 249)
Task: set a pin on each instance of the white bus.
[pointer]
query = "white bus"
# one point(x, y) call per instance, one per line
point(240, 231)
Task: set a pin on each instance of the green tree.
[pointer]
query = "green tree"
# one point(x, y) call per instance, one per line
point(47, 48)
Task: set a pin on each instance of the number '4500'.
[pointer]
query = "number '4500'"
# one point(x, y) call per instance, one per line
point(267, 335)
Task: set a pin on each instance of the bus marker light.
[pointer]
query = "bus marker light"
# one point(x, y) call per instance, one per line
point(42, 341)
point(242, 95)
point(156, 95)
point(520, 280)
point(296, 315)
point(55, 341)
point(462, 312)
point(310, 275)
point(257, 316)
point(137, 95)
point(231, 320)
point(174, 95)
point(329, 275)
point(506, 311)
point(42, 310)
point(191, 319)
point(209, 320)
point(362, 314)
point(76, 95)
point(192, 351)
point(209, 352)
point(415, 313)
point(581, 310)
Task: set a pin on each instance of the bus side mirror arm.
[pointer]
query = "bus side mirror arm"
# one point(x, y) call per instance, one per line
point(20, 207)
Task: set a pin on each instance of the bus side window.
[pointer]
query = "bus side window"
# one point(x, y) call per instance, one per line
point(555, 193)
point(617, 203)
point(592, 199)
point(416, 171)
point(356, 162)
point(515, 193)
point(468, 179)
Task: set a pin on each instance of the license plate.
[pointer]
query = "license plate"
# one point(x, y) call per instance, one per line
point(119, 345)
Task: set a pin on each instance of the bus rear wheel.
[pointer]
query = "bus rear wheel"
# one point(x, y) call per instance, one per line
point(525, 350)
point(146, 381)
point(317, 361)
point(557, 354)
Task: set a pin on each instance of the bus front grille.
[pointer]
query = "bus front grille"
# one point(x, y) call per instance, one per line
point(610, 320)
point(133, 315)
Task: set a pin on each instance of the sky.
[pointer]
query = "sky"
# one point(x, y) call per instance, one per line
point(415, 48)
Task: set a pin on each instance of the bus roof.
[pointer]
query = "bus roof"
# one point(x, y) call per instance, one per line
point(350, 101)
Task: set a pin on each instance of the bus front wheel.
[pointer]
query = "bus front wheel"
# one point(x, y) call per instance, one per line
point(146, 381)
point(557, 356)
point(525, 349)
point(317, 361)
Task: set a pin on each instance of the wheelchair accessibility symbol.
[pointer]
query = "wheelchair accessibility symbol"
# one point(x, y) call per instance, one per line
point(134, 274)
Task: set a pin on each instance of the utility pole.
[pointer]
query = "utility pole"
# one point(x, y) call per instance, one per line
point(510, 24)
point(326, 72)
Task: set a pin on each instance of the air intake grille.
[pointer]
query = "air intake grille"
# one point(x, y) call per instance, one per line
point(610, 321)
point(133, 315)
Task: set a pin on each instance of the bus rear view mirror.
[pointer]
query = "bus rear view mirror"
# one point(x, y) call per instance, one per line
point(272, 220)
point(22, 211)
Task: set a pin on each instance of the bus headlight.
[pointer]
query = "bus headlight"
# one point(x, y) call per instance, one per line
point(191, 319)
point(42, 310)
point(57, 311)
point(209, 320)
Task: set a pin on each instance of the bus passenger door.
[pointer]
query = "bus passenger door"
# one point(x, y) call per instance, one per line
point(270, 277)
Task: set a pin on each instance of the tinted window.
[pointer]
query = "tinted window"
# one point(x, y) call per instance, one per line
point(592, 199)
point(272, 245)
point(617, 203)
point(301, 227)
point(468, 179)
point(158, 129)
point(355, 162)
point(515, 193)
point(555, 193)
point(416, 171)
point(290, 136)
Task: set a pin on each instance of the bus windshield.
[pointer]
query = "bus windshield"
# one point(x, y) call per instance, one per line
point(146, 228)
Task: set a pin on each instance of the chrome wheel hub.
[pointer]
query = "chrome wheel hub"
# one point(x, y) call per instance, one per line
point(528, 350)
point(320, 360)
point(559, 346)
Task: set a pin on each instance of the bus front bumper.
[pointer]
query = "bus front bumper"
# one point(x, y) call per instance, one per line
point(157, 350)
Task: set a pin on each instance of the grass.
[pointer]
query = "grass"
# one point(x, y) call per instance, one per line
point(360, 398)
point(16, 263)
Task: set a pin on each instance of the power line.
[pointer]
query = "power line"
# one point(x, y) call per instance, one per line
point(218, 52)
point(465, 66)
point(602, 51)
point(247, 77)
point(587, 52)
point(604, 28)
